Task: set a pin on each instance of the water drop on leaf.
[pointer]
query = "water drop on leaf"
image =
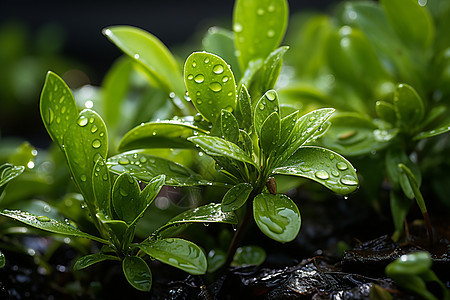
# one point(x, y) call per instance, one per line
point(321, 174)
point(199, 78)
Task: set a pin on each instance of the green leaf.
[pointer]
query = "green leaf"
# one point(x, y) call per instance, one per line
point(210, 213)
point(323, 166)
point(244, 112)
point(7, 173)
point(117, 228)
point(23, 155)
point(178, 253)
point(229, 126)
point(408, 106)
point(411, 21)
point(137, 273)
point(145, 166)
point(236, 197)
point(287, 126)
point(413, 182)
point(386, 112)
point(249, 256)
point(394, 157)
point(270, 69)
point(259, 27)
point(2, 260)
point(399, 205)
point(151, 53)
point(210, 84)
point(431, 133)
point(270, 133)
point(411, 264)
point(216, 259)
point(165, 134)
point(220, 42)
point(149, 194)
point(102, 187)
point(216, 146)
point(126, 198)
point(277, 216)
point(266, 105)
point(89, 260)
point(84, 142)
point(47, 224)
point(245, 142)
point(58, 108)
point(306, 127)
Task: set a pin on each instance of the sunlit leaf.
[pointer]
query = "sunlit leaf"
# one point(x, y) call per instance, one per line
point(137, 273)
point(266, 105)
point(126, 198)
point(244, 113)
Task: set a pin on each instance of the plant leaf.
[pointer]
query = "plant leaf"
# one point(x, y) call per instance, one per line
point(151, 53)
point(323, 166)
point(236, 197)
point(431, 133)
point(126, 198)
point(386, 112)
point(270, 133)
point(166, 134)
point(84, 142)
point(249, 256)
point(245, 142)
point(47, 224)
point(216, 146)
point(210, 84)
point(244, 112)
point(277, 216)
point(101, 185)
point(229, 126)
point(7, 173)
point(149, 194)
point(413, 183)
point(137, 273)
point(399, 205)
point(266, 105)
point(89, 260)
point(145, 166)
point(270, 69)
point(58, 108)
point(408, 106)
point(259, 27)
point(178, 253)
point(394, 157)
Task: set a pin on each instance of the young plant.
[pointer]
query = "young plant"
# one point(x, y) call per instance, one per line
point(115, 204)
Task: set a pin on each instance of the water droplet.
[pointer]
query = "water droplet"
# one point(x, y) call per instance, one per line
point(43, 218)
point(199, 78)
point(83, 177)
point(271, 8)
point(215, 86)
point(190, 77)
point(63, 109)
point(96, 143)
point(91, 120)
point(237, 27)
point(50, 115)
point(218, 69)
point(136, 56)
point(199, 101)
point(271, 95)
point(94, 128)
point(82, 121)
point(123, 192)
point(102, 134)
point(348, 180)
point(58, 120)
point(194, 64)
point(321, 174)
point(225, 79)
point(105, 176)
point(260, 12)
point(206, 60)
point(124, 161)
point(331, 156)
point(335, 173)
point(342, 166)
point(230, 94)
point(270, 33)
point(261, 106)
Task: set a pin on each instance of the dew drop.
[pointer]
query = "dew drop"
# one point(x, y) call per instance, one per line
point(261, 106)
point(331, 156)
point(123, 192)
point(321, 174)
point(43, 218)
point(123, 161)
point(270, 33)
point(50, 115)
point(348, 180)
point(94, 128)
point(96, 143)
point(230, 94)
point(199, 78)
point(105, 176)
point(237, 27)
point(271, 95)
point(136, 56)
point(190, 77)
point(225, 79)
point(194, 64)
point(218, 69)
point(58, 120)
point(206, 60)
point(82, 121)
point(63, 109)
point(215, 86)
point(271, 8)
point(83, 177)
point(91, 120)
point(342, 166)
point(199, 101)
point(260, 12)
point(335, 173)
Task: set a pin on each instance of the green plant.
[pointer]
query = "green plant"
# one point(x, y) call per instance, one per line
point(413, 272)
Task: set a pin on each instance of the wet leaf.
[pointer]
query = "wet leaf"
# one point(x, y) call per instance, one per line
point(229, 126)
point(394, 157)
point(149, 194)
point(249, 256)
point(386, 112)
point(117, 228)
point(89, 260)
point(145, 166)
point(102, 187)
point(216, 259)
point(244, 112)
point(215, 146)
point(245, 142)
point(178, 253)
point(126, 198)
point(149, 51)
point(410, 264)
point(413, 183)
point(277, 216)
point(7, 173)
point(399, 205)
point(137, 273)
point(165, 134)
point(266, 105)
point(323, 166)
point(259, 27)
point(210, 84)
point(408, 106)
point(47, 224)
point(57, 107)
point(287, 126)
point(270, 69)
point(431, 133)
point(84, 142)
point(236, 197)
point(270, 133)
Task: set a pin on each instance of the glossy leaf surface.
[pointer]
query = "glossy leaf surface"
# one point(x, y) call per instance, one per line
point(149, 194)
point(266, 105)
point(229, 126)
point(215, 146)
point(287, 126)
point(166, 134)
point(145, 166)
point(249, 256)
point(431, 133)
point(277, 216)
point(323, 166)
point(270, 69)
point(151, 53)
point(236, 197)
point(210, 84)
point(89, 260)
point(7, 173)
point(178, 253)
point(47, 224)
point(408, 106)
point(137, 273)
point(393, 158)
point(102, 187)
point(57, 107)
point(126, 198)
point(259, 27)
point(410, 264)
point(270, 133)
point(244, 112)
point(386, 111)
